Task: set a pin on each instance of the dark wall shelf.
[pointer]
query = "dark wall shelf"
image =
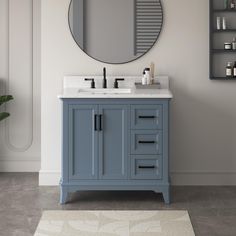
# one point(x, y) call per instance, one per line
point(224, 31)
point(223, 78)
point(218, 57)
point(223, 10)
point(222, 51)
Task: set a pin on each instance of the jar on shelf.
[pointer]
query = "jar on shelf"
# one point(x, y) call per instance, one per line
point(228, 46)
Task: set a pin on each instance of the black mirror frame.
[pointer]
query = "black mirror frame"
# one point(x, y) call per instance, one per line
point(117, 63)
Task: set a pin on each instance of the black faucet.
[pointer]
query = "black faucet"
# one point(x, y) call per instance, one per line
point(116, 85)
point(104, 78)
point(92, 82)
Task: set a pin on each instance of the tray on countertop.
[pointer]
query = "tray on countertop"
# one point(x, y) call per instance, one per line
point(150, 86)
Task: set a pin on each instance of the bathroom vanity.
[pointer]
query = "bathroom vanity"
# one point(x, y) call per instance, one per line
point(115, 139)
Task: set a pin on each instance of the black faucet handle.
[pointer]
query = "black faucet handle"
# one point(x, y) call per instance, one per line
point(92, 81)
point(116, 85)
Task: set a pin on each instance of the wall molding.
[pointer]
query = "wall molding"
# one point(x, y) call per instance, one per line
point(203, 178)
point(19, 158)
point(49, 177)
point(203, 172)
point(19, 165)
point(8, 142)
point(20, 145)
point(184, 178)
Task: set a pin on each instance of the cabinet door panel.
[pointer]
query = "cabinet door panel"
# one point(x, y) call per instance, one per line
point(83, 142)
point(113, 150)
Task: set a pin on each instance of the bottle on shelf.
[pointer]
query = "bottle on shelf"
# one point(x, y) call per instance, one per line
point(234, 69)
point(218, 23)
point(226, 4)
point(232, 4)
point(229, 70)
point(234, 43)
point(224, 26)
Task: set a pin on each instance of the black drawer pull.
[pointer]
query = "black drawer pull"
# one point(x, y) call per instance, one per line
point(146, 117)
point(100, 122)
point(147, 167)
point(95, 123)
point(147, 142)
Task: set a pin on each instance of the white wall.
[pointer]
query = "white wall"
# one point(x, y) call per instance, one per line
point(203, 114)
point(120, 41)
point(19, 76)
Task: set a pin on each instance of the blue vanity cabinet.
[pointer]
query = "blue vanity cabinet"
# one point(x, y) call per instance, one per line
point(146, 117)
point(148, 142)
point(83, 142)
point(115, 144)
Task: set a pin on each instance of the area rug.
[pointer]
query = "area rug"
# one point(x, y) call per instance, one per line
point(115, 223)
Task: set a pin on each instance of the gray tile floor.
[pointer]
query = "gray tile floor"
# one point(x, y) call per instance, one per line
point(212, 209)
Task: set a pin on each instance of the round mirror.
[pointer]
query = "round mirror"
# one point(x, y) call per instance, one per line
point(115, 31)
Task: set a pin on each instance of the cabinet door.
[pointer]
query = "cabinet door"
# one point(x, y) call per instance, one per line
point(113, 151)
point(83, 142)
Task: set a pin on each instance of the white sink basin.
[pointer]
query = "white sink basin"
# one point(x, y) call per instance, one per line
point(105, 91)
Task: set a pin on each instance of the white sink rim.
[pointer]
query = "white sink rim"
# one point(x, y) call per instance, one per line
point(105, 91)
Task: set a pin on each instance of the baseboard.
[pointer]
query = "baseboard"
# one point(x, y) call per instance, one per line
point(203, 178)
point(52, 178)
point(19, 166)
point(49, 178)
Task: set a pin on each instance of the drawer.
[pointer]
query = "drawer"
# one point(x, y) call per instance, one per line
point(146, 167)
point(146, 142)
point(146, 117)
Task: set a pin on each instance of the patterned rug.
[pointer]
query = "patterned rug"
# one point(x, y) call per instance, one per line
point(115, 223)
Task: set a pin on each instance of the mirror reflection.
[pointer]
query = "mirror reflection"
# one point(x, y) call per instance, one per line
point(115, 31)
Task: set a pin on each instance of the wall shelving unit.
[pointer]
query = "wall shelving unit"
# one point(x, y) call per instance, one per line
point(218, 56)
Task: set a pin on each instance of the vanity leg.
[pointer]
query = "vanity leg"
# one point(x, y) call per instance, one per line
point(166, 194)
point(63, 195)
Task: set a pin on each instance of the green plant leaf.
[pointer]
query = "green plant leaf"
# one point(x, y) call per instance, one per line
point(5, 98)
point(4, 115)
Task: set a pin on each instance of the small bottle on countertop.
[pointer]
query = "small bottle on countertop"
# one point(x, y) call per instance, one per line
point(229, 70)
point(152, 71)
point(234, 44)
point(148, 76)
point(234, 69)
point(144, 79)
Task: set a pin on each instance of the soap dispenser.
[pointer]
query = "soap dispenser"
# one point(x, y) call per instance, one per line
point(148, 76)
point(144, 78)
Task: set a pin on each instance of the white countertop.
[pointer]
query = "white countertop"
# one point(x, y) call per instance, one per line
point(136, 93)
point(72, 85)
